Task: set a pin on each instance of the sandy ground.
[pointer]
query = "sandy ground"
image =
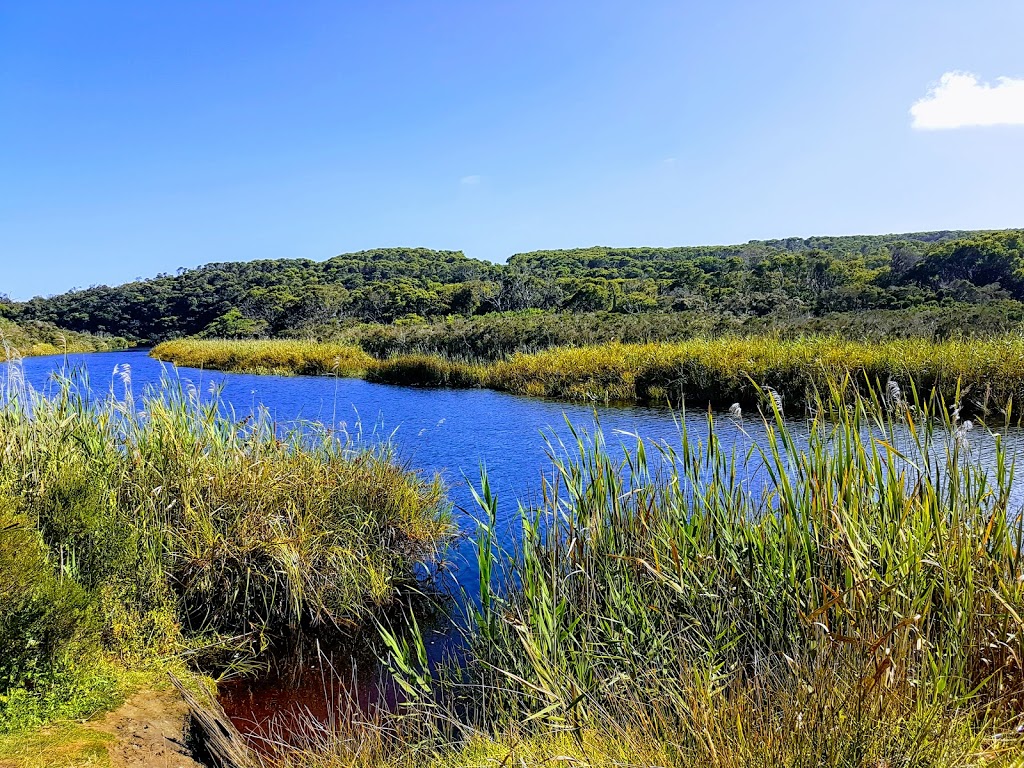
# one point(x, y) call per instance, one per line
point(149, 732)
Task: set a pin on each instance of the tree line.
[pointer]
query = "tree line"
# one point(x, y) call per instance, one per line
point(805, 278)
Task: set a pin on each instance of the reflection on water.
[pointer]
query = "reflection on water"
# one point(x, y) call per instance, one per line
point(451, 432)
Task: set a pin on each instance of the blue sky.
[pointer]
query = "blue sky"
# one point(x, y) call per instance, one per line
point(137, 138)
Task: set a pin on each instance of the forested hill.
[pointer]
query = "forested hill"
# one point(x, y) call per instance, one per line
point(808, 277)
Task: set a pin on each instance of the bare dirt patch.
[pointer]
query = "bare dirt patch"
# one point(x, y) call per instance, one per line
point(149, 732)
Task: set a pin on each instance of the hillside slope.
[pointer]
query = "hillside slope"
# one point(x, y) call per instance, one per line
point(804, 278)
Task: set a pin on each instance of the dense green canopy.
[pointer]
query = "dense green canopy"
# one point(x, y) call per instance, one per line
point(808, 278)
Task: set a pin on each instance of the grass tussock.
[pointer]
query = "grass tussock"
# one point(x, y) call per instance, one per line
point(858, 607)
point(132, 530)
point(282, 357)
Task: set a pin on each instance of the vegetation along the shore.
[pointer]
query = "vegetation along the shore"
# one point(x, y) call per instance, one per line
point(37, 338)
point(983, 374)
point(277, 356)
point(861, 608)
point(137, 531)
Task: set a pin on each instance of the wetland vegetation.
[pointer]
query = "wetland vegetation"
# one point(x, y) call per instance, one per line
point(860, 607)
point(38, 338)
point(133, 532)
point(985, 374)
point(847, 592)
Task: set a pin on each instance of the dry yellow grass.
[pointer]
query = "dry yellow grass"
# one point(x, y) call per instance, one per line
point(697, 371)
point(266, 356)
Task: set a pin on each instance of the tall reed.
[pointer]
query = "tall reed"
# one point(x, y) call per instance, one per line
point(848, 593)
point(863, 607)
point(167, 522)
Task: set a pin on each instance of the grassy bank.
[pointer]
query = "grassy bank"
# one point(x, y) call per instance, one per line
point(862, 609)
point(701, 371)
point(726, 370)
point(138, 531)
point(36, 338)
point(282, 357)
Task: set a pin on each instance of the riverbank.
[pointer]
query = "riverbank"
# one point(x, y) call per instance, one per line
point(836, 592)
point(140, 535)
point(861, 609)
point(982, 375)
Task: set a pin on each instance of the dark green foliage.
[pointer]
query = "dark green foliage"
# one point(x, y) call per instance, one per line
point(269, 294)
point(427, 371)
point(775, 282)
point(985, 266)
point(496, 336)
point(44, 615)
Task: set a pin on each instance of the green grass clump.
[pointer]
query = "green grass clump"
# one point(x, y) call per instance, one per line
point(863, 608)
point(280, 357)
point(131, 530)
point(62, 745)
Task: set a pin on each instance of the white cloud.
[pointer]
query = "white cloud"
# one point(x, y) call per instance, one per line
point(961, 100)
point(470, 181)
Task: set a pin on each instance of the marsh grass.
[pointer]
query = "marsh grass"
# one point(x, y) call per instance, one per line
point(138, 529)
point(988, 374)
point(427, 371)
point(862, 607)
point(981, 376)
point(279, 356)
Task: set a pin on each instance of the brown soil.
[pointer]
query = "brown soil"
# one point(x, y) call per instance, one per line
point(149, 732)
